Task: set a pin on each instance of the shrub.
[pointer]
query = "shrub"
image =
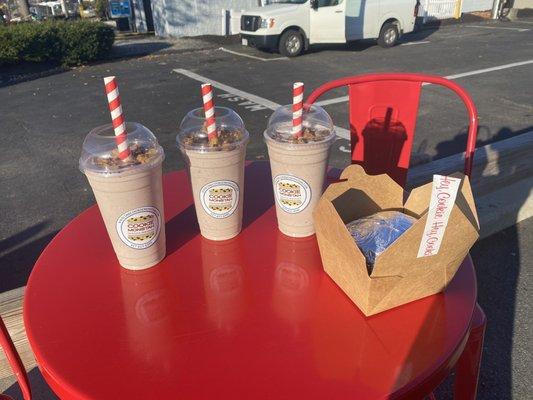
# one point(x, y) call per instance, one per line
point(9, 53)
point(62, 42)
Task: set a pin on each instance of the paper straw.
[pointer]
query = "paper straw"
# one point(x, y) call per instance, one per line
point(117, 117)
point(297, 109)
point(209, 109)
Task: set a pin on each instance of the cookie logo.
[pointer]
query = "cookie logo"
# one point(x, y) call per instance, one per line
point(292, 194)
point(139, 228)
point(226, 279)
point(220, 199)
point(291, 278)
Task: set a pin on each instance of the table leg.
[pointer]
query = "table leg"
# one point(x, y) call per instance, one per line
point(467, 368)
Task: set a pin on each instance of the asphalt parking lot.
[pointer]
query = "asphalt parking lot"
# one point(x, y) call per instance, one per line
point(44, 120)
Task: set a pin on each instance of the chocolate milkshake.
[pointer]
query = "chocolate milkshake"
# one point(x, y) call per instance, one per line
point(298, 166)
point(129, 193)
point(216, 171)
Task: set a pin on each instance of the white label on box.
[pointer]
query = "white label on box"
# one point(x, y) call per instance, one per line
point(443, 194)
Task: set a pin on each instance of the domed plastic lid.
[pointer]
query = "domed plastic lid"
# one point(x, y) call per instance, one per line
point(317, 125)
point(99, 152)
point(192, 134)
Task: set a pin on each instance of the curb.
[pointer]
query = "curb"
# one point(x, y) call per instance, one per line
point(465, 18)
point(114, 55)
point(517, 14)
point(502, 181)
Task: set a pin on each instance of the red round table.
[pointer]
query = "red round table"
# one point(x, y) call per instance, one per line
point(252, 317)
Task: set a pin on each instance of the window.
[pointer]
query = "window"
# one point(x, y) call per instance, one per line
point(328, 3)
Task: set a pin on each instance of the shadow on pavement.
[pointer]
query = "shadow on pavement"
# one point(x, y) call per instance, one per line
point(26, 71)
point(39, 388)
point(133, 48)
point(19, 252)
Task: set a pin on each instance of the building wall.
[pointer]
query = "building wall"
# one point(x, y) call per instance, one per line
point(193, 17)
point(520, 4)
point(476, 5)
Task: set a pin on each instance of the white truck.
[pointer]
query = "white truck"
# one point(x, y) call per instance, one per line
point(290, 26)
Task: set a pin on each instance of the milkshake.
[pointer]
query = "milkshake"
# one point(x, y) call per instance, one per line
point(216, 170)
point(128, 192)
point(298, 166)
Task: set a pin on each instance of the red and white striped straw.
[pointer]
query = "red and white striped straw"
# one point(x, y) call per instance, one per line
point(209, 109)
point(117, 117)
point(297, 109)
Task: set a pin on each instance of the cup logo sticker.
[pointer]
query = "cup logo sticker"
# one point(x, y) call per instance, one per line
point(292, 194)
point(226, 279)
point(139, 228)
point(220, 198)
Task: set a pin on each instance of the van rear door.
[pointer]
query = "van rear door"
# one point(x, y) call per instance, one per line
point(327, 23)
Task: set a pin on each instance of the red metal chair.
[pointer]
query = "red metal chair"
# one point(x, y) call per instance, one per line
point(383, 110)
point(14, 361)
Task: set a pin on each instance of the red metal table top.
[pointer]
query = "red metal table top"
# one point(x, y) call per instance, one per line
point(253, 317)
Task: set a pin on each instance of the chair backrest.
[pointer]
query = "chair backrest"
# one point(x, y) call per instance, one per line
point(14, 361)
point(383, 111)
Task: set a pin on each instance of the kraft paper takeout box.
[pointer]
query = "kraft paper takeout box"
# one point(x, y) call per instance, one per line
point(398, 276)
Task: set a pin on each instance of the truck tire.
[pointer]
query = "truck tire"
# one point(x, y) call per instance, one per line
point(389, 35)
point(291, 43)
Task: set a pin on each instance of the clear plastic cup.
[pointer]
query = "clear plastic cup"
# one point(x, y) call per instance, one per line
point(298, 166)
point(216, 170)
point(129, 193)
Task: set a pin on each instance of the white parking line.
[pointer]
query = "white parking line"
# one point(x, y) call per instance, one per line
point(343, 99)
point(341, 132)
point(485, 70)
point(413, 43)
point(252, 97)
point(335, 100)
point(497, 27)
point(253, 57)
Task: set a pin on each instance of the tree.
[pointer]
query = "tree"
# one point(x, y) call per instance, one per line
point(23, 7)
point(100, 7)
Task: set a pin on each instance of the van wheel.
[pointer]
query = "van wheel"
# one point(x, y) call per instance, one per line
point(291, 44)
point(389, 35)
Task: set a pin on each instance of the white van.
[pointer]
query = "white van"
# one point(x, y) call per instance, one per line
point(290, 26)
